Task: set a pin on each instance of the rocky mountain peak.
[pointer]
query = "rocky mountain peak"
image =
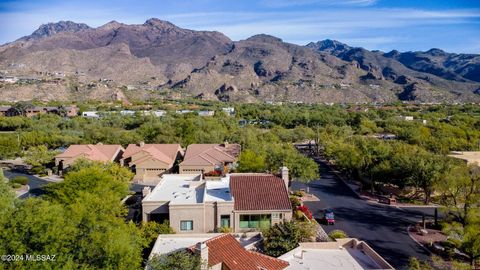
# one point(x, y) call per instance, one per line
point(265, 38)
point(160, 24)
point(328, 45)
point(50, 29)
point(436, 52)
point(111, 25)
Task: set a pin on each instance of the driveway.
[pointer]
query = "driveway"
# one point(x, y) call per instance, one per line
point(383, 227)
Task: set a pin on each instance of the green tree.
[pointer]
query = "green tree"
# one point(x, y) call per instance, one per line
point(181, 260)
point(285, 236)
point(39, 156)
point(249, 161)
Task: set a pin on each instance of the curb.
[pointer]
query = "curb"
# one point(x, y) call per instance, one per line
point(415, 240)
point(372, 201)
point(24, 192)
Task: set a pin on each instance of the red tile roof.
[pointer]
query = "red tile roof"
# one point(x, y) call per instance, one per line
point(227, 250)
point(259, 192)
point(96, 152)
point(210, 154)
point(166, 153)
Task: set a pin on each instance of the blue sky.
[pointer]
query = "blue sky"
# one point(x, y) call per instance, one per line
point(404, 25)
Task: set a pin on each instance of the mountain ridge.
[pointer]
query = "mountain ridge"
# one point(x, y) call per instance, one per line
point(159, 59)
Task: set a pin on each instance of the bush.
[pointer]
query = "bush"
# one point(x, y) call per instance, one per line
point(224, 230)
point(306, 211)
point(298, 193)
point(38, 170)
point(15, 185)
point(21, 180)
point(336, 234)
point(295, 202)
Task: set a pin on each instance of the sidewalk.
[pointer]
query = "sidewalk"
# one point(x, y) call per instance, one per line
point(52, 178)
point(355, 186)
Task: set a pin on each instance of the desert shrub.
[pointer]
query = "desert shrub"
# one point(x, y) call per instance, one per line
point(336, 234)
point(21, 180)
point(295, 202)
point(224, 229)
point(298, 193)
point(15, 185)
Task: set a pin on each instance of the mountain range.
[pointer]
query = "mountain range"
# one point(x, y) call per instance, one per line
point(156, 59)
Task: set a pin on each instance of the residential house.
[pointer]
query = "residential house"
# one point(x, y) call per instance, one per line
point(95, 152)
point(150, 161)
point(183, 111)
point(69, 111)
point(343, 254)
point(206, 113)
point(229, 111)
point(242, 202)
point(8, 79)
point(206, 158)
point(218, 251)
point(90, 114)
point(4, 110)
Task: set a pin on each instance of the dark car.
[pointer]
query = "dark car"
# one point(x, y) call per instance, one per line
point(329, 217)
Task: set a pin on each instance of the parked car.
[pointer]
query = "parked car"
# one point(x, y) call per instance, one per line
point(329, 217)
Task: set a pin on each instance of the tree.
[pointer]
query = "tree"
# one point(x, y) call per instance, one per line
point(460, 191)
point(39, 156)
point(249, 161)
point(285, 236)
point(181, 260)
point(81, 220)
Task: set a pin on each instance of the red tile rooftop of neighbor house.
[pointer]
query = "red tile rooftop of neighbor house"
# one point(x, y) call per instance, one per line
point(166, 153)
point(228, 252)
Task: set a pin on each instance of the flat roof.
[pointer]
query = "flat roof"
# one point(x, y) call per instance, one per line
point(178, 189)
point(167, 243)
point(218, 191)
point(348, 254)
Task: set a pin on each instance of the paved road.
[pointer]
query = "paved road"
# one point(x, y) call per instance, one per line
point(381, 226)
point(34, 182)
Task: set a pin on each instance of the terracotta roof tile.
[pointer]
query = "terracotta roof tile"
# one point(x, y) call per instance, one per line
point(97, 152)
point(166, 153)
point(210, 154)
point(259, 192)
point(227, 250)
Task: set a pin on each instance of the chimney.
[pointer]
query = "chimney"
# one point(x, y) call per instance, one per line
point(225, 144)
point(146, 191)
point(284, 174)
point(141, 144)
point(202, 250)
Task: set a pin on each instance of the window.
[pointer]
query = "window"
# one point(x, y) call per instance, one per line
point(277, 216)
point(255, 221)
point(225, 221)
point(186, 225)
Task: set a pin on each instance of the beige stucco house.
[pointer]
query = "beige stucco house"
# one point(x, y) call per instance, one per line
point(206, 158)
point(150, 161)
point(242, 202)
point(95, 152)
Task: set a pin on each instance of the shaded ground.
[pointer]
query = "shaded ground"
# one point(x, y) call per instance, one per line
point(381, 226)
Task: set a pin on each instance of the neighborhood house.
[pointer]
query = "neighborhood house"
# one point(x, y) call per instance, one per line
point(150, 161)
point(241, 202)
point(210, 158)
point(94, 152)
point(217, 251)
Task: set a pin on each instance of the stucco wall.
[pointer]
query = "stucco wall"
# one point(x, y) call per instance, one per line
point(153, 208)
point(191, 169)
point(193, 212)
